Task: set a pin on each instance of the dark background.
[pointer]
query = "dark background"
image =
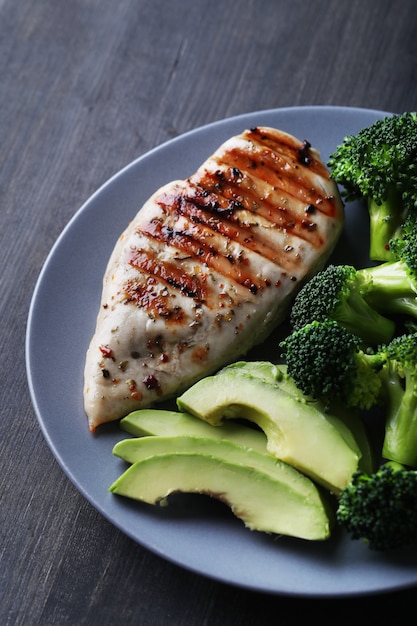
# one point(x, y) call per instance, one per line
point(86, 86)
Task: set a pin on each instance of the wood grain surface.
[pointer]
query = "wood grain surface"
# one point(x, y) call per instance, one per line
point(87, 86)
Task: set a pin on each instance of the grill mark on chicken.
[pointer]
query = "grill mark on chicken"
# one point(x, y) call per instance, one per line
point(290, 147)
point(214, 208)
point(266, 190)
point(275, 208)
point(288, 180)
point(203, 246)
point(225, 217)
point(146, 261)
point(151, 293)
point(226, 194)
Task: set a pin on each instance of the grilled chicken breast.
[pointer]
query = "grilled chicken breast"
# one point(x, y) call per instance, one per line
point(207, 268)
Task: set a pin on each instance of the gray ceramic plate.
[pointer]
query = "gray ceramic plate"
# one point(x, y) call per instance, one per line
point(195, 532)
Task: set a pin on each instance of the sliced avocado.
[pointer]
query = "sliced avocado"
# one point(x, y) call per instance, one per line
point(265, 370)
point(285, 504)
point(347, 421)
point(297, 431)
point(139, 448)
point(172, 423)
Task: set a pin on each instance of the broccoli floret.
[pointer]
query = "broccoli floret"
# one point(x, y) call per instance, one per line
point(329, 363)
point(391, 287)
point(379, 165)
point(399, 376)
point(334, 293)
point(381, 508)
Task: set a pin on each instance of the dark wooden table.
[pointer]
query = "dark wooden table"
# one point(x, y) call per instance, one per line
point(87, 86)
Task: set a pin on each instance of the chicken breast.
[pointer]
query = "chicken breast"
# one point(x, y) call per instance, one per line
point(207, 269)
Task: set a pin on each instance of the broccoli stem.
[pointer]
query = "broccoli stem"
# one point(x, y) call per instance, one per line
point(364, 320)
point(400, 440)
point(385, 221)
point(389, 288)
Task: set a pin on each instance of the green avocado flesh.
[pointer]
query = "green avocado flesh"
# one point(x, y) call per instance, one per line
point(266, 494)
point(137, 449)
point(172, 423)
point(349, 424)
point(297, 431)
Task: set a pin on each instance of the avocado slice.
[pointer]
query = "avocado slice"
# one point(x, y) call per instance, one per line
point(172, 423)
point(136, 449)
point(265, 370)
point(297, 431)
point(286, 503)
point(347, 421)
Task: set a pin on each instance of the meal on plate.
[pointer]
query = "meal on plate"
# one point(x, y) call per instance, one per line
point(207, 268)
point(205, 271)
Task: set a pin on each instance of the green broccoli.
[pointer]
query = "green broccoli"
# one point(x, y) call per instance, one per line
point(399, 376)
point(381, 508)
point(379, 165)
point(391, 287)
point(334, 293)
point(329, 363)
